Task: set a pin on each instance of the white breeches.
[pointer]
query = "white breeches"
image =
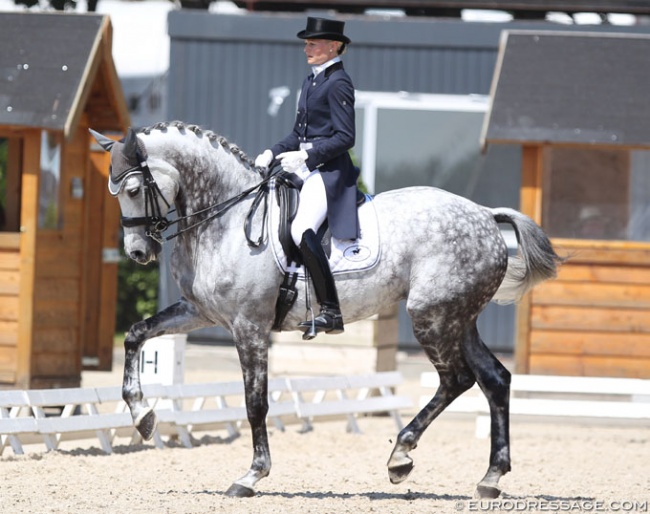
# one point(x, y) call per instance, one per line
point(312, 210)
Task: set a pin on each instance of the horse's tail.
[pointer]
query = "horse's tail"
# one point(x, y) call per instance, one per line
point(535, 261)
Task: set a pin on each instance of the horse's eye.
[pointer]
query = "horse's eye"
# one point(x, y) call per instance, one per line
point(133, 192)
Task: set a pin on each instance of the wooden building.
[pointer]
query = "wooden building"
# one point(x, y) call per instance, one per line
point(59, 234)
point(578, 105)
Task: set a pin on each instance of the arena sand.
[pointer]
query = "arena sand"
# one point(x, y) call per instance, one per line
point(555, 467)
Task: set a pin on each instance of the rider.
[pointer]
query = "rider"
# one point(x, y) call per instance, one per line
point(317, 151)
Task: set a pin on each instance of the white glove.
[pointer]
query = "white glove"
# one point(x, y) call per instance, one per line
point(294, 162)
point(264, 159)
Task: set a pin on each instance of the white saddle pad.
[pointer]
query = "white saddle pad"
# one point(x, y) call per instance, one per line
point(347, 256)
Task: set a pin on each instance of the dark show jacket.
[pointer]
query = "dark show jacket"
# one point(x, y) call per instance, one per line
point(325, 119)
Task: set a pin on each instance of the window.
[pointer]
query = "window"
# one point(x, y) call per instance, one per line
point(10, 166)
point(416, 139)
point(597, 194)
point(49, 212)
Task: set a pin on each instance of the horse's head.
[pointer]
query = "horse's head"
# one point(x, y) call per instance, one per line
point(145, 194)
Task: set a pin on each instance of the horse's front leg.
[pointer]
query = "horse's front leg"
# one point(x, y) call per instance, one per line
point(177, 318)
point(253, 356)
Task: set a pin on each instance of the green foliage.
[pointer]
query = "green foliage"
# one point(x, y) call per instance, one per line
point(137, 293)
point(360, 183)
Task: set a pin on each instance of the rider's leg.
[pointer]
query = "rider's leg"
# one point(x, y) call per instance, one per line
point(330, 319)
point(311, 214)
point(312, 209)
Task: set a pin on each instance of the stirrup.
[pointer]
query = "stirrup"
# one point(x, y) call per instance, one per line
point(329, 321)
point(311, 331)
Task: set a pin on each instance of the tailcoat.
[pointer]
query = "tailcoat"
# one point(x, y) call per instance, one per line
point(325, 126)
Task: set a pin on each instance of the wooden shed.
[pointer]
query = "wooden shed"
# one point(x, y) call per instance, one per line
point(59, 233)
point(578, 104)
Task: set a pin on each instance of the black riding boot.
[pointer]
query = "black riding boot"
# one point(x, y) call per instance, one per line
point(330, 319)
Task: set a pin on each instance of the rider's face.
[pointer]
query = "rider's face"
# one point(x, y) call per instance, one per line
point(319, 51)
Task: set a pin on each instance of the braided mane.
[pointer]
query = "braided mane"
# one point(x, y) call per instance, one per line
point(214, 138)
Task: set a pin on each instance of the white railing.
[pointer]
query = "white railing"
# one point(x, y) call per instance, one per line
point(49, 415)
point(594, 398)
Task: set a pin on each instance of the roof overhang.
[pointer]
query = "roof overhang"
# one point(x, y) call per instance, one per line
point(55, 67)
point(570, 88)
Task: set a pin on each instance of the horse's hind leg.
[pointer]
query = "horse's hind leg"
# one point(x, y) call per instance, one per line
point(494, 380)
point(400, 463)
point(179, 317)
point(455, 378)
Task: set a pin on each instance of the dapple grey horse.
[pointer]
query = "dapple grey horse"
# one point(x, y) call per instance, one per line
point(442, 253)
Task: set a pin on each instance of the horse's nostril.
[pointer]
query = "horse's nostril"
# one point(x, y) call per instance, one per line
point(136, 255)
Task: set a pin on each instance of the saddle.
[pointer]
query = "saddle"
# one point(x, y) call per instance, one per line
point(287, 187)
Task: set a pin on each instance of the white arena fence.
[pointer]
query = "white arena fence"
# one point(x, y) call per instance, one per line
point(537, 397)
point(50, 415)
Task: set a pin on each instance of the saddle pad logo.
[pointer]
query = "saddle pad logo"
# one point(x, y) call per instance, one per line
point(356, 253)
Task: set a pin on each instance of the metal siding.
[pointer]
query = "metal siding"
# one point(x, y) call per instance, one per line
point(420, 70)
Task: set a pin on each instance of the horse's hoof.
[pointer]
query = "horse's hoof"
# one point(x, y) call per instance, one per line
point(487, 492)
point(240, 491)
point(398, 474)
point(146, 425)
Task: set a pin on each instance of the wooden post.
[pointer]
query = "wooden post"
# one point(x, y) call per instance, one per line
point(531, 205)
point(28, 227)
point(102, 251)
point(531, 182)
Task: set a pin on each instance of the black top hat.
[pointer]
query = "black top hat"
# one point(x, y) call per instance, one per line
point(321, 28)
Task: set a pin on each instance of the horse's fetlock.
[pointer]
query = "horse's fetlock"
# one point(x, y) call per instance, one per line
point(407, 439)
point(135, 335)
point(131, 343)
point(130, 395)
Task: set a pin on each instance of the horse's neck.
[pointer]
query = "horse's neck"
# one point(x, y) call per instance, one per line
point(208, 176)
point(213, 185)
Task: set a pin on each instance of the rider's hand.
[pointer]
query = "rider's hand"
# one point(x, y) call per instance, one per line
point(293, 161)
point(264, 159)
point(302, 171)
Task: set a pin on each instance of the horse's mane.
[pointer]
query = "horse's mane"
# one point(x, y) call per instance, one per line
point(214, 138)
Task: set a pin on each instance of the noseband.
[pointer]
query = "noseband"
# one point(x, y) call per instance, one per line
point(153, 220)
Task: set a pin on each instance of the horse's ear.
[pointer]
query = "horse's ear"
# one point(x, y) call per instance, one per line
point(105, 142)
point(131, 150)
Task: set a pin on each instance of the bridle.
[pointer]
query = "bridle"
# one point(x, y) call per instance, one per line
point(153, 220)
point(155, 223)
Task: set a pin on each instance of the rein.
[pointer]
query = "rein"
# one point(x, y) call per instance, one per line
point(155, 223)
